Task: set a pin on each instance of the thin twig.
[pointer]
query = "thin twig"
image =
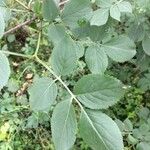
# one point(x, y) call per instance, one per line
point(28, 21)
point(16, 54)
point(22, 5)
point(19, 26)
point(38, 45)
point(63, 3)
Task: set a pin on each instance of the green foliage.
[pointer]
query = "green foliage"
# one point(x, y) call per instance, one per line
point(146, 43)
point(43, 93)
point(120, 49)
point(61, 85)
point(98, 62)
point(4, 70)
point(50, 10)
point(101, 129)
point(98, 92)
point(64, 125)
point(75, 11)
point(64, 57)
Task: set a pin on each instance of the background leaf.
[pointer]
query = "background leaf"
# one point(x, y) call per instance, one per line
point(49, 10)
point(115, 12)
point(136, 32)
point(146, 44)
point(95, 33)
point(4, 70)
point(125, 7)
point(76, 10)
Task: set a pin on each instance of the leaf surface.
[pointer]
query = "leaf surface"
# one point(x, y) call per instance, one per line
point(98, 92)
point(99, 131)
point(76, 10)
point(146, 44)
point(2, 25)
point(4, 70)
point(64, 125)
point(120, 49)
point(49, 10)
point(100, 17)
point(96, 59)
point(64, 59)
point(115, 12)
point(43, 93)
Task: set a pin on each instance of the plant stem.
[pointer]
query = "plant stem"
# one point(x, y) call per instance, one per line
point(19, 26)
point(63, 3)
point(53, 73)
point(22, 4)
point(16, 54)
point(60, 80)
point(38, 45)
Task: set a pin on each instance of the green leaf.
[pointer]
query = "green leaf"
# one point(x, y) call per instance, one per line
point(98, 92)
point(4, 70)
point(76, 10)
point(120, 49)
point(146, 44)
point(64, 59)
point(49, 10)
point(115, 12)
point(99, 17)
point(96, 59)
point(143, 146)
point(56, 33)
point(43, 93)
point(105, 3)
point(2, 25)
point(144, 82)
point(79, 49)
point(99, 131)
point(2, 3)
point(136, 32)
point(96, 33)
point(125, 7)
point(64, 125)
